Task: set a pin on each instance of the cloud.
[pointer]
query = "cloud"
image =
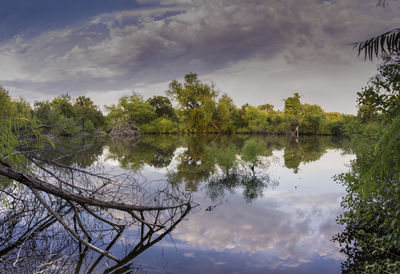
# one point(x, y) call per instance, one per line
point(285, 236)
point(130, 48)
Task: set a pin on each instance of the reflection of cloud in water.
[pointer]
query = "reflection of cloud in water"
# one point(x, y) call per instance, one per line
point(288, 230)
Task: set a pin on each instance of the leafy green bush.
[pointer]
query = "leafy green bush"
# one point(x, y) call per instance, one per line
point(160, 125)
point(371, 237)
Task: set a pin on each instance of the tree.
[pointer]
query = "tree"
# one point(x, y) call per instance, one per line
point(371, 218)
point(196, 102)
point(382, 95)
point(63, 105)
point(225, 114)
point(257, 121)
point(133, 109)
point(163, 107)
point(266, 107)
point(129, 115)
point(311, 120)
point(23, 108)
point(292, 112)
point(42, 111)
point(87, 113)
point(52, 193)
point(7, 110)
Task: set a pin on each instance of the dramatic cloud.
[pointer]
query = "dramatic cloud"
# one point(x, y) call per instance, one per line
point(283, 235)
point(269, 49)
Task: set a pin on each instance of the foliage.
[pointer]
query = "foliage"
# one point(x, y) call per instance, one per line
point(371, 237)
point(65, 117)
point(387, 43)
point(132, 110)
point(257, 121)
point(227, 114)
point(292, 106)
point(198, 109)
point(163, 107)
point(382, 95)
point(372, 217)
point(196, 102)
point(160, 125)
point(63, 105)
point(292, 110)
point(88, 114)
point(16, 131)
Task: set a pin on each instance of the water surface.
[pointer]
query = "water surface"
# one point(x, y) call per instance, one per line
point(283, 224)
point(262, 204)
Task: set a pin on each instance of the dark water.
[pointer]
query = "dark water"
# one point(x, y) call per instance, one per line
point(262, 205)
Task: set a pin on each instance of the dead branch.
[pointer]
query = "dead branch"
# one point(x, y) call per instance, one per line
point(38, 184)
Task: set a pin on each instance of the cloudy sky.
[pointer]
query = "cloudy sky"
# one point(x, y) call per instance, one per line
point(257, 51)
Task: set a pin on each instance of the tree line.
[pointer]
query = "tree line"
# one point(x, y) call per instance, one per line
point(188, 107)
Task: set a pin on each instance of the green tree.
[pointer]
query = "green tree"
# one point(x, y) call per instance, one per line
point(42, 111)
point(131, 111)
point(292, 111)
point(63, 105)
point(23, 108)
point(16, 131)
point(382, 95)
point(196, 102)
point(372, 207)
point(5, 104)
point(163, 107)
point(311, 120)
point(87, 113)
point(371, 233)
point(225, 114)
point(257, 120)
point(266, 107)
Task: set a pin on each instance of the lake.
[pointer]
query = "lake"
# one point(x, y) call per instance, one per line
point(260, 204)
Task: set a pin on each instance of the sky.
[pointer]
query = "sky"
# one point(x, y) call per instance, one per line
point(256, 51)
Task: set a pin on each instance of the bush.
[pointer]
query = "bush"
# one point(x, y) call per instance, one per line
point(160, 125)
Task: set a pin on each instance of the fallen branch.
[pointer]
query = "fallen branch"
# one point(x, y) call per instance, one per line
point(38, 184)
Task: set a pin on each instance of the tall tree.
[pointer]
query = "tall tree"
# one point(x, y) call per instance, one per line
point(131, 110)
point(292, 112)
point(163, 107)
point(87, 113)
point(197, 102)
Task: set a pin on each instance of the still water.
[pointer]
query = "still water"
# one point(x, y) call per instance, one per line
point(261, 204)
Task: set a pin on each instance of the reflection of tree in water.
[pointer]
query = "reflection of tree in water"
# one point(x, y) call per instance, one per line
point(68, 219)
point(308, 149)
point(252, 184)
point(194, 164)
point(238, 169)
point(202, 156)
point(152, 150)
point(82, 152)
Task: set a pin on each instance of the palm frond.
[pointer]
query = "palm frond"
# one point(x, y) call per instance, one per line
point(387, 43)
point(382, 3)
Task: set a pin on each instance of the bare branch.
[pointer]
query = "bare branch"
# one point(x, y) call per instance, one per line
point(35, 183)
point(61, 221)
